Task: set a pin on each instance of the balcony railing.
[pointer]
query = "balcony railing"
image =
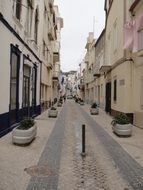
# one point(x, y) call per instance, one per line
point(55, 75)
point(56, 57)
point(56, 71)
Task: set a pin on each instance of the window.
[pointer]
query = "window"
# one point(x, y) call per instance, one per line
point(18, 9)
point(29, 17)
point(34, 78)
point(115, 90)
point(14, 84)
point(36, 26)
point(101, 90)
point(13, 80)
point(26, 86)
point(44, 48)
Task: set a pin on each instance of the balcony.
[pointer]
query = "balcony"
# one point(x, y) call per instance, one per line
point(88, 78)
point(96, 72)
point(86, 59)
point(56, 57)
point(56, 72)
point(51, 34)
point(55, 76)
point(104, 68)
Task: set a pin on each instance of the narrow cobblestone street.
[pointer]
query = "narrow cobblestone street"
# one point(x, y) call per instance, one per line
point(106, 166)
point(59, 164)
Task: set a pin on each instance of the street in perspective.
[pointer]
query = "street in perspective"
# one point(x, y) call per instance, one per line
point(71, 99)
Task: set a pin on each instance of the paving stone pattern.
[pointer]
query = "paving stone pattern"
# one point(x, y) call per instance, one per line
point(93, 172)
point(131, 171)
point(106, 165)
point(45, 174)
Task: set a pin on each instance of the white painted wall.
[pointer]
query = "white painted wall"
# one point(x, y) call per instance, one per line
point(8, 38)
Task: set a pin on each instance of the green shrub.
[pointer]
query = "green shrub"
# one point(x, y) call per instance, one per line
point(94, 105)
point(120, 118)
point(53, 108)
point(26, 123)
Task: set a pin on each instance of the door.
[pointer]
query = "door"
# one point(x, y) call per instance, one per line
point(26, 91)
point(34, 79)
point(98, 94)
point(108, 98)
point(14, 85)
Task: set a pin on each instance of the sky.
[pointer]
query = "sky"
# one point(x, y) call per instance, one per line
point(80, 17)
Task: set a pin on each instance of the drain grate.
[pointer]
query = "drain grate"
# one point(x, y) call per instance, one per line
point(40, 171)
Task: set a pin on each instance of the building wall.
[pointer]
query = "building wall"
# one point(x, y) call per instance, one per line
point(14, 34)
point(114, 33)
point(124, 75)
point(138, 72)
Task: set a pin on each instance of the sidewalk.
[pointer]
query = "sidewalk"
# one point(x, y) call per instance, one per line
point(133, 145)
point(18, 164)
point(14, 160)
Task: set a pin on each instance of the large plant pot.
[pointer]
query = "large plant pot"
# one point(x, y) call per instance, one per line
point(59, 104)
point(94, 111)
point(82, 103)
point(122, 130)
point(53, 113)
point(24, 136)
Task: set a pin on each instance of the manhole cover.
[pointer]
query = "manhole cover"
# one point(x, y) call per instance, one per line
point(40, 171)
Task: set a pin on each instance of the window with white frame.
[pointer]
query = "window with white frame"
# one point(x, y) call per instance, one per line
point(36, 25)
point(17, 8)
point(29, 17)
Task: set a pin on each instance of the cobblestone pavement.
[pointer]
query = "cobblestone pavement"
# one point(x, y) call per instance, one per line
point(129, 169)
point(45, 174)
point(107, 166)
point(96, 171)
point(54, 161)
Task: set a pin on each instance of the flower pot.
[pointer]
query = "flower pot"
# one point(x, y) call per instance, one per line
point(94, 111)
point(59, 104)
point(122, 130)
point(53, 113)
point(24, 136)
point(82, 103)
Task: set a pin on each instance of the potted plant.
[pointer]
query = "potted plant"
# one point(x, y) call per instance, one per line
point(121, 125)
point(53, 112)
point(81, 102)
point(59, 104)
point(94, 109)
point(25, 132)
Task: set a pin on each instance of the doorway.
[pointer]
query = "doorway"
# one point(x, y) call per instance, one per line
point(14, 85)
point(108, 98)
point(34, 79)
point(26, 91)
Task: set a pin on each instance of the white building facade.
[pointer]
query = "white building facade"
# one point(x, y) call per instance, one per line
point(25, 50)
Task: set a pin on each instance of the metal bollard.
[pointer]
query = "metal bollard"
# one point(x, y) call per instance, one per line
point(83, 140)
